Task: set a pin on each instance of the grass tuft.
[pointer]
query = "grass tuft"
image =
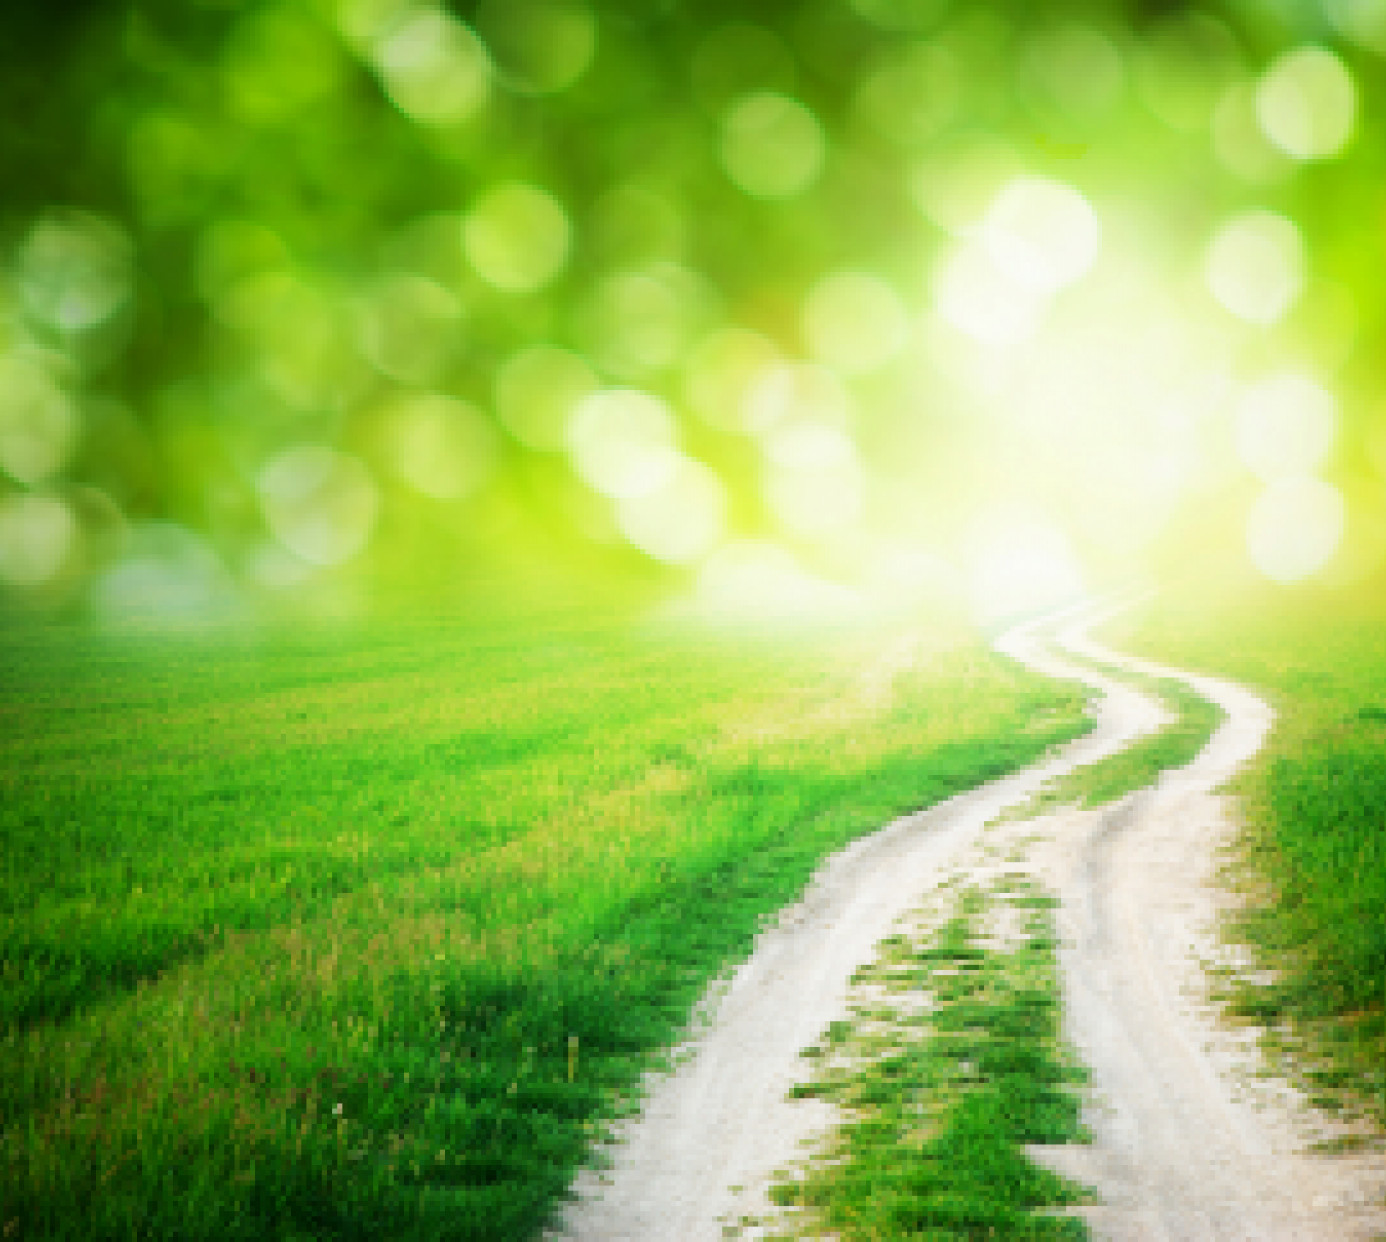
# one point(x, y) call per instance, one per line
point(942, 1093)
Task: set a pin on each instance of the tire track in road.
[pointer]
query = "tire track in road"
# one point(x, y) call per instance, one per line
point(1187, 1144)
point(1176, 1156)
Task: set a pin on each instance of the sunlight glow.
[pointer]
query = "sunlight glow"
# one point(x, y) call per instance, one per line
point(1036, 237)
point(815, 483)
point(1286, 425)
point(1019, 561)
point(761, 585)
point(899, 574)
point(984, 300)
point(1041, 233)
point(680, 520)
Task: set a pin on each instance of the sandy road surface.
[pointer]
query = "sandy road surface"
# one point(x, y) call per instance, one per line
point(1176, 1155)
point(1188, 1142)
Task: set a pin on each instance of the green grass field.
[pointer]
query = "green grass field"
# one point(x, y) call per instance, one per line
point(341, 936)
point(1312, 857)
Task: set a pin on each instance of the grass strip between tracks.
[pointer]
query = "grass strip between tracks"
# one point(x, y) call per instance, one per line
point(1192, 722)
point(944, 1075)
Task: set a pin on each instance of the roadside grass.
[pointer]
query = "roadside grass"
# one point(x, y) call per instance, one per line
point(1192, 721)
point(945, 1074)
point(1311, 859)
point(368, 935)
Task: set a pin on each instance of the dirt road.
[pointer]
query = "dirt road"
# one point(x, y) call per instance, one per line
point(1189, 1142)
point(1181, 1150)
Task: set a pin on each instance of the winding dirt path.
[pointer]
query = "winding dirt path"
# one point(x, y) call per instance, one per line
point(1189, 1141)
point(1175, 1156)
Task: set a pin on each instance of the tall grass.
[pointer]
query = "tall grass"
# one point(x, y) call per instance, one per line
point(1312, 856)
point(367, 935)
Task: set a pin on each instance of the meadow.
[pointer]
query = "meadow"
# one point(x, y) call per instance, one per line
point(1311, 857)
point(369, 934)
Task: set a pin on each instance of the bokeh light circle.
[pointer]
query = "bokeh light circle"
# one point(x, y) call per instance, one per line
point(815, 485)
point(680, 520)
point(911, 96)
point(901, 15)
point(803, 391)
point(517, 236)
point(1306, 103)
point(623, 442)
point(1041, 232)
point(536, 391)
point(854, 321)
point(772, 146)
point(982, 299)
point(1294, 527)
point(408, 327)
point(434, 67)
point(737, 58)
point(539, 46)
point(441, 446)
point(36, 535)
point(1255, 265)
point(75, 269)
point(1286, 424)
point(39, 423)
point(319, 503)
point(955, 183)
point(721, 373)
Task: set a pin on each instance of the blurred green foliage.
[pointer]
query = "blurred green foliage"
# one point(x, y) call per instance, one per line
point(298, 291)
